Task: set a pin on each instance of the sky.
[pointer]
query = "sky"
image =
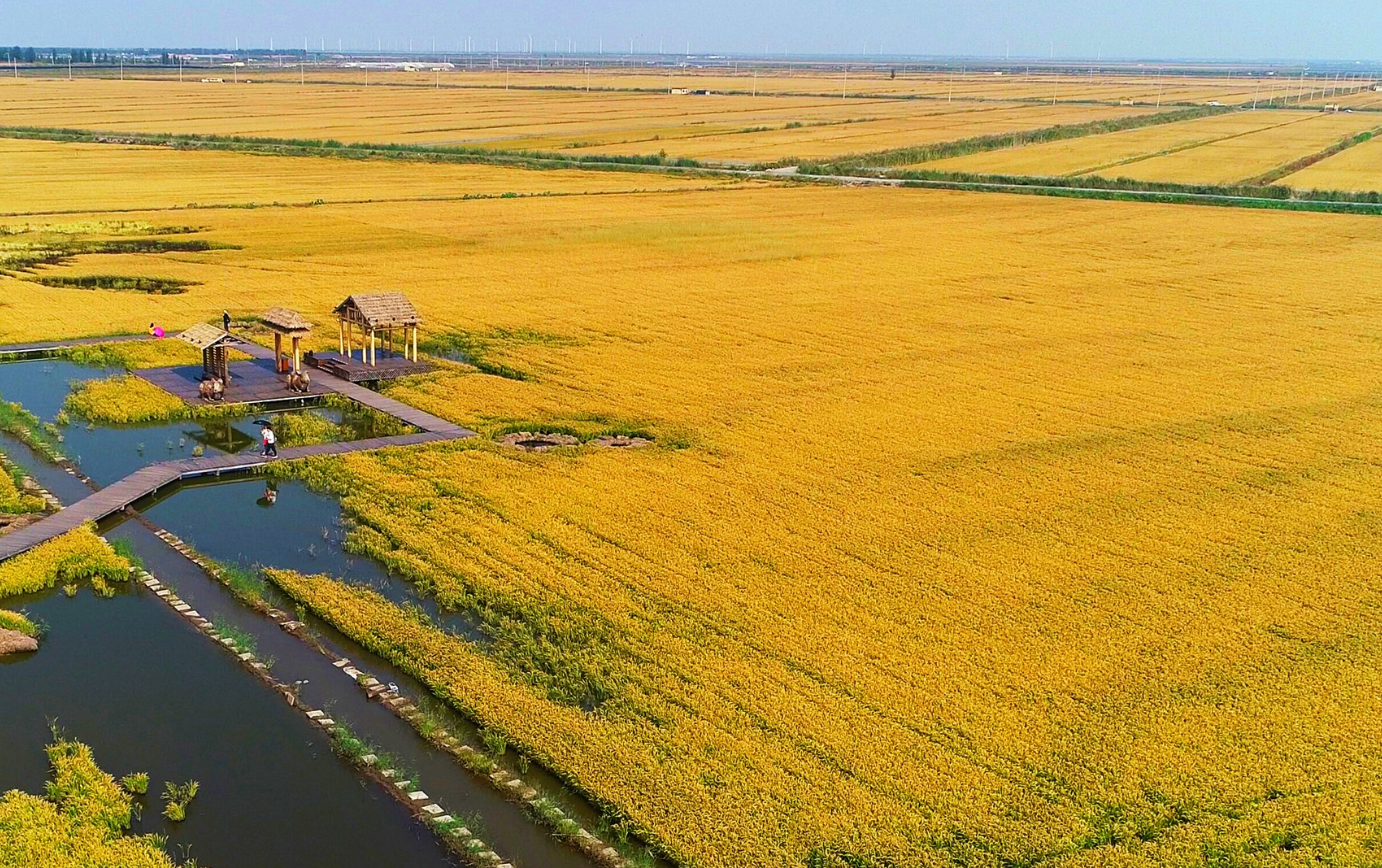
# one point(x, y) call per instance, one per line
point(1199, 29)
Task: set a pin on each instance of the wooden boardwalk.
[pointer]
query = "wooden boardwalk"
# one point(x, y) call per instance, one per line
point(40, 347)
point(142, 483)
point(148, 480)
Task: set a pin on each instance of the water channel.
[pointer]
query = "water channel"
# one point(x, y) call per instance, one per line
point(149, 693)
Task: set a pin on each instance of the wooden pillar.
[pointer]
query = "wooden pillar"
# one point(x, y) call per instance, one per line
point(341, 323)
point(297, 355)
point(373, 358)
point(414, 343)
point(350, 338)
point(278, 352)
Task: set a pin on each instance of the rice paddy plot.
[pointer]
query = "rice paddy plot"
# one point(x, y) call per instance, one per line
point(39, 176)
point(730, 128)
point(1356, 169)
point(1242, 158)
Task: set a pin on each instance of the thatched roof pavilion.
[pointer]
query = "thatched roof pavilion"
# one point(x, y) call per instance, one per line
point(377, 312)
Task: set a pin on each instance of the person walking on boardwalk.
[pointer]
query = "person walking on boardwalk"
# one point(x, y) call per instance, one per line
point(225, 320)
point(270, 442)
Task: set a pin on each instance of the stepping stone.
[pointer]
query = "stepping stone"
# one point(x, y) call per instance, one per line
point(388, 773)
point(316, 714)
point(432, 810)
point(418, 796)
point(192, 613)
point(228, 642)
point(610, 853)
point(444, 818)
point(291, 625)
point(341, 663)
point(247, 657)
point(352, 672)
point(326, 721)
point(404, 785)
point(369, 759)
point(528, 794)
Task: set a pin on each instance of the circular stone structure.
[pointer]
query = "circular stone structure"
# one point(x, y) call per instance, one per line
point(529, 441)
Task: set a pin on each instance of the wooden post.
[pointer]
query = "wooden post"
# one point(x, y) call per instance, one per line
point(278, 353)
point(297, 355)
point(341, 324)
point(372, 359)
point(414, 343)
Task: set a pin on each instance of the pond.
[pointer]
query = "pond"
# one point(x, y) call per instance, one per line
point(107, 453)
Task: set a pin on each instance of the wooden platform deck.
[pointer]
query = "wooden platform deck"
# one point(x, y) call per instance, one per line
point(353, 370)
point(252, 382)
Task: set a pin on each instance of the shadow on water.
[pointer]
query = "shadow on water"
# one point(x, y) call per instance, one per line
point(148, 693)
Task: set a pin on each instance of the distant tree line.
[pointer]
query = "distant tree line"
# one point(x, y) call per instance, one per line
point(78, 55)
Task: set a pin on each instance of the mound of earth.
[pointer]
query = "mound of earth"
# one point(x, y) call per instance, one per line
point(14, 642)
point(621, 442)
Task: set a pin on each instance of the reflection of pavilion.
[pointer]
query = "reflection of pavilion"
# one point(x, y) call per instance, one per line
point(221, 434)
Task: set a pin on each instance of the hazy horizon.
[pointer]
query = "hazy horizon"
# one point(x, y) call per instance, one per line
point(1173, 30)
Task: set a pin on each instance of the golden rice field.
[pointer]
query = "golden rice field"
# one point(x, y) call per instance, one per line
point(81, 177)
point(982, 530)
point(1358, 168)
point(728, 128)
point(1109, 152)
point(1242, 158)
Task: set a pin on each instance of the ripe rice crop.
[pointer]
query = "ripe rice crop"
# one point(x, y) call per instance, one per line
point(123, 400)
point(78, 823)
point(78, 555)
point(1358, 168)
point(730, 128)
point(1245, 157)
point(1109, 152)
point(977, 529)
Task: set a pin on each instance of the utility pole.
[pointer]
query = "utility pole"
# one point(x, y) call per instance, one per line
point(844, 92)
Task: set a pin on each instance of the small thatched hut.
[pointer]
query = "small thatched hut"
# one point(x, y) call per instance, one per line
point(214, 343)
